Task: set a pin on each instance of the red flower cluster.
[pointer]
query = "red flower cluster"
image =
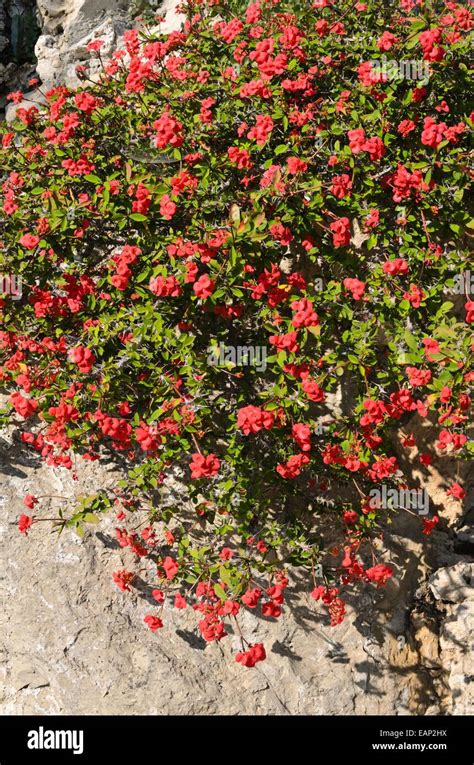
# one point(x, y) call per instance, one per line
point(253, 654)
point(123, 579)
point(251, 419)
point(292, 467)
point(25, 407)
point(330, 597)
point(83, 357)
point(169, 132)
point(204, 465)
point(341, 233)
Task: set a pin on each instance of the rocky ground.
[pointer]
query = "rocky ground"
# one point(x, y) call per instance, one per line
point(72, 643)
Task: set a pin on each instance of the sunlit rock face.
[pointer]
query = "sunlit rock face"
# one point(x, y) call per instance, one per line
point(48, 39)
point(68, 25)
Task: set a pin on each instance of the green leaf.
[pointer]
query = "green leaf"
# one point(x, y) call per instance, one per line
point(92, 178)
point(220, 592)
point(224, 574)
point(90, 518)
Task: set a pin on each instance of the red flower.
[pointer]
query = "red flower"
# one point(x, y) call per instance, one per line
point(375, 147)
point(395, 267)
point(302, 435)
point(204, 465)
point(350, 516)
point(24, 523)
point(329, 597)
point(170, 567)
point(211, 628)
point(251, 419)
point(82, 166)
point(304, 315)
point(83, 357)
point(165, 286)
point(262, 129)
point(379, 574)
point(433, 132)
point(292, 467)
point(405, 127)
point(431, 346)
point(386, 41)
point(179, 601)
point(230, 607)
point(168, 132)
point(95, 45)
point(204, 287)
point(30, 501)
point(429, 524)
point(123, 579)
point(239, 157)
point(282, 234)
point(469, 308)
point(414, 295)
point(167, 207)
point(285, 342)
point(86, 102)
point(154, 622)
point(251, 597)
point(356, 140)
point(250, 657)
point(312, 390)
point(296, 165)
point(25, 407)
point(147, 436)
point(456, 491)
point(29, 241)
point(429, 42)
point(355, 287)
point(418, 376)
point(341, 185)
point(341, 235)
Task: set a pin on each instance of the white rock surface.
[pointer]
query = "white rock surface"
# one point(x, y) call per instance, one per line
point(68, 25)
point(72, 643)
point(455, 586)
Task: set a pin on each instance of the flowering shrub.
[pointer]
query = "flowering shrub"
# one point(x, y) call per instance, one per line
point(252, 179)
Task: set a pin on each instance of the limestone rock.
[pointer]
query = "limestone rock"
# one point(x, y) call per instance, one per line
point(59, 53)
point(454, 584)
point(67, 26)
point(72, 643)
